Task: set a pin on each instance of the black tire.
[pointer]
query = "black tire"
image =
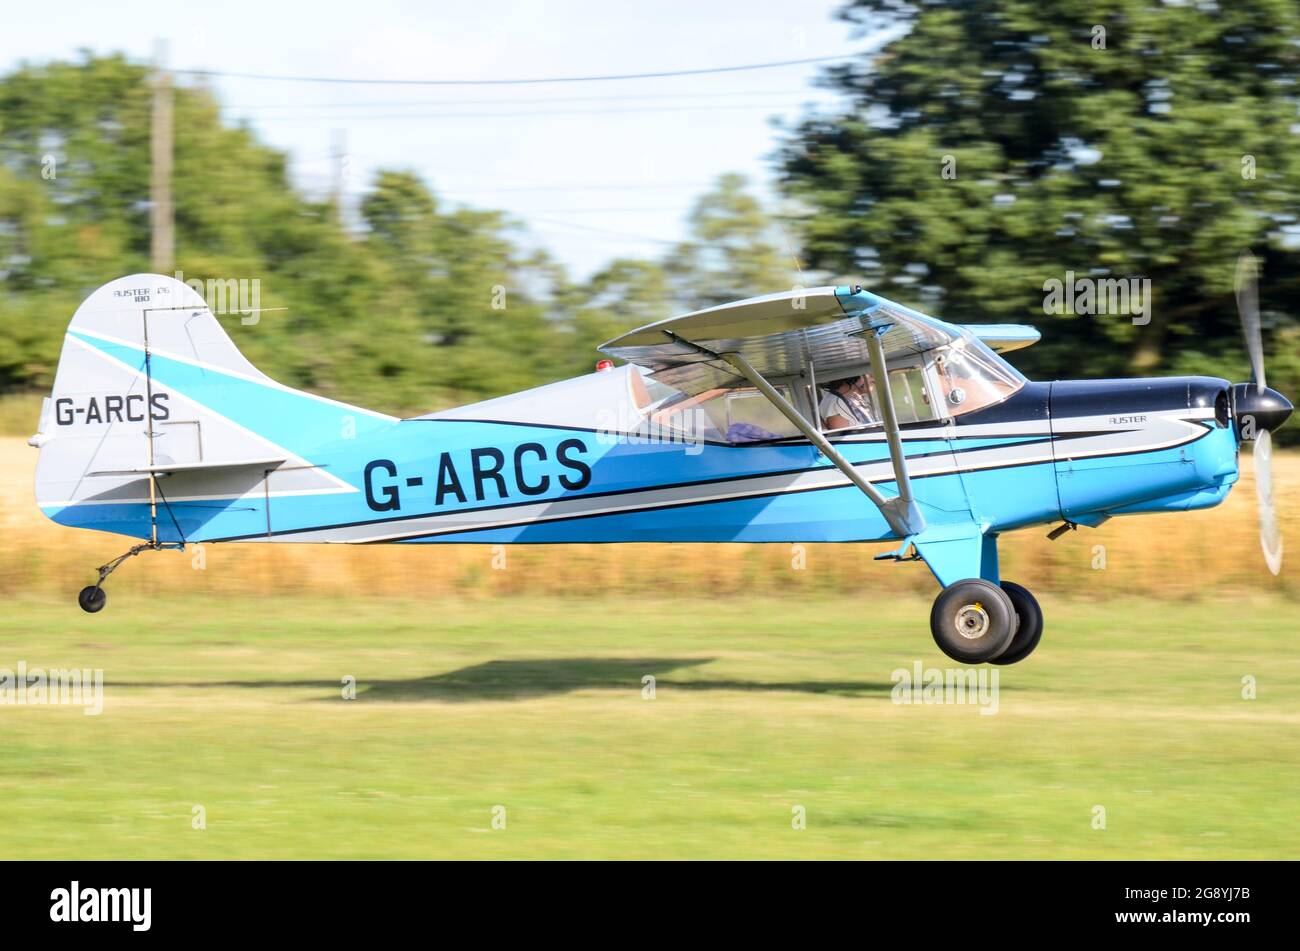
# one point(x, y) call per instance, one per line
point(1031, 625)
point(973, 621)
point(92, 598)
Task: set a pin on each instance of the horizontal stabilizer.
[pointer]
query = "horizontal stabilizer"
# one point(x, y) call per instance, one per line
point(167, 467)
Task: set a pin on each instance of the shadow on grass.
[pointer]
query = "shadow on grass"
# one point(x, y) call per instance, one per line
point(524, 679)
point(518, 679)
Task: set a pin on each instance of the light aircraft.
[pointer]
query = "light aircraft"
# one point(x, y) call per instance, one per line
point(159, 429)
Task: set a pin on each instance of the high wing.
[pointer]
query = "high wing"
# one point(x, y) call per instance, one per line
point(780, 334)
point(825, 329)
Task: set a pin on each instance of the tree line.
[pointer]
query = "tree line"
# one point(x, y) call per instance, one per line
point(977, 161)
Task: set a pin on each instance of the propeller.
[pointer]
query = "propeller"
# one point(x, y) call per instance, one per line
point(1247, 287)
point(1260, 411)
point(1270, 536)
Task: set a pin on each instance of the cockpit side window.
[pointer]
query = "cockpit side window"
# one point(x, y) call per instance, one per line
point(737, 415)
point(911, 401)
point(751, 417)
point(858, 403)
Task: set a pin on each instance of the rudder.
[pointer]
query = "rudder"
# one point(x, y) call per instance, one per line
point(149, 384)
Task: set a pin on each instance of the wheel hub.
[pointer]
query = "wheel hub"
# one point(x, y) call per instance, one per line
point(972, 621)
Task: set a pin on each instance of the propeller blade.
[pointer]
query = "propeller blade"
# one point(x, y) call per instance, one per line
point(1270, 535)
point(1247, 288)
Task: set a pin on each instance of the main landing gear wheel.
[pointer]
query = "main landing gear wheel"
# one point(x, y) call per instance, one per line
point(973, 621)
point(1030, 631)
point(92, 598)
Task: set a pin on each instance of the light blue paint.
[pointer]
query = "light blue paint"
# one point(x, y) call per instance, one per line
point(964, 511)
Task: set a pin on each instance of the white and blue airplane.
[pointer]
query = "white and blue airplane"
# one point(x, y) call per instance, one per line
point(159, 429)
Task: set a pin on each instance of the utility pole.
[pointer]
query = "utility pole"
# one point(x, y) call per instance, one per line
point(163, 245)
point(339, 160)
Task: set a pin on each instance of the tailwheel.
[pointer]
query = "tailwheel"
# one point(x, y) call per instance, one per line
point(92, 598)
point(973, 621)
point(1030, 631)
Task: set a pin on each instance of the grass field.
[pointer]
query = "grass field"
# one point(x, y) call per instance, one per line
point(536, 704)
point(522, 688)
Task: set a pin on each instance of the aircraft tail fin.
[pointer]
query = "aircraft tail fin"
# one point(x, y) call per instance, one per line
point(149, 384)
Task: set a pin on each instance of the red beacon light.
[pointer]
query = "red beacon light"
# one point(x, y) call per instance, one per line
point(603, 365)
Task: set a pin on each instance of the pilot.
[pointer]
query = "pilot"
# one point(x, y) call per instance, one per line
point(843, 406)
point(863, 398)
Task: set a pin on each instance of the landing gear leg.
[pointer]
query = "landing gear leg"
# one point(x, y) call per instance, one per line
point(92, 597)
point(973, 621)
point(1030, 631)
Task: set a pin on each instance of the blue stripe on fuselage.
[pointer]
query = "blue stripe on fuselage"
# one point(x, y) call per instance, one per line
point(427, 467)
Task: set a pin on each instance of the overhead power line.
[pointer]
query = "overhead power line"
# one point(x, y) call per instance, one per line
point(639, 186)
point(525, 114)
point(495, 189)
point(498, 101)
point(629, 209)
point(220, 74)
point(594, 230)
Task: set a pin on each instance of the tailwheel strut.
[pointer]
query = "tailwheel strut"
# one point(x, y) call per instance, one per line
point(92, 597)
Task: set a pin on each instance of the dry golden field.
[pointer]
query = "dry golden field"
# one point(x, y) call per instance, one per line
point(1167, 556)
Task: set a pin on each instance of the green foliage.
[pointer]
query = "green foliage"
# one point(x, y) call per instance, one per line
point(427, 306)
point(731, 253)
point(1131, 160)
point(1119, 162)
point(626, 293)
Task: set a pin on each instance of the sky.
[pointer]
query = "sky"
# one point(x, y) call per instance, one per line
point(595, 170)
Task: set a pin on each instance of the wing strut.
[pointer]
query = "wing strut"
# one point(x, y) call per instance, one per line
point(901, 513)
point(886, 399)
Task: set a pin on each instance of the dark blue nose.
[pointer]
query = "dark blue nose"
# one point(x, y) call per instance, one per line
point(1253, 410)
